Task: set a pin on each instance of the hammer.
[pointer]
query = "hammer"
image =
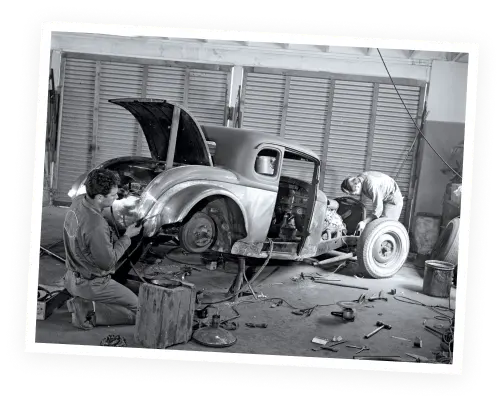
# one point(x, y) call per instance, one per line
point(381, 326)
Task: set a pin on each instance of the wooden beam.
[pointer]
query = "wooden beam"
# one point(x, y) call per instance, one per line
point(327, 132)
point(374, 107)
point(96, 106)
point(285, 105)
point(140, 134)
point(411, 53)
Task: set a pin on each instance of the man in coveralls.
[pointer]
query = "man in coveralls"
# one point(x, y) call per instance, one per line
point(381, 189)
point(92, 252)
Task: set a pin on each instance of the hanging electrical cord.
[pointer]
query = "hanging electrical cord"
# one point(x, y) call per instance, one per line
point(128, 255)
point(419, 130)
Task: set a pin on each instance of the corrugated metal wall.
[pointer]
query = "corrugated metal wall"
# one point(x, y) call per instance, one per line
point(353, 125)
point(76, 130)
point(93, 130)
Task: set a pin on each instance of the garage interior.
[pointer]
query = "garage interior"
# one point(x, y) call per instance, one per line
point(339, 103)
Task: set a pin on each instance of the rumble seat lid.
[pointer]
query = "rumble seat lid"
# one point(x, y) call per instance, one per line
point(155, 119)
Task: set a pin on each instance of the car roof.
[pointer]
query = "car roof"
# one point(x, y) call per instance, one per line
point(246, 138)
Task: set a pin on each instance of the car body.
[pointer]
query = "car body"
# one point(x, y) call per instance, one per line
point(236, 200)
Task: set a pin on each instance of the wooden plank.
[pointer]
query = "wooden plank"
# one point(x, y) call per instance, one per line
point(96, 108)
point(327, 133)
point(187, 79)
point(144, 94)
point(60, 119)
point(374, 107)
point(165, 315)
point(150, 62)
point(415, 166)
point(337, 76)
point(285, 105)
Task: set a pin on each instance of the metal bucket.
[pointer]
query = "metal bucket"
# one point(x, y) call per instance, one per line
point(438, 277)
point(264, 165)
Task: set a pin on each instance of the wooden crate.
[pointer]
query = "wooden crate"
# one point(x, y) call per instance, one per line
point(165, 315)
point(46, 308)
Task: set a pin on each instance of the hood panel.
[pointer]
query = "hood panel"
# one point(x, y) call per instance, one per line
point(155, 119)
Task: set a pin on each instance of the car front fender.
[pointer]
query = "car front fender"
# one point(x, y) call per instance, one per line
point(177, 202)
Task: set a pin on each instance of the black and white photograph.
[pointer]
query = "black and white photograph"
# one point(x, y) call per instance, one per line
point(246, 196)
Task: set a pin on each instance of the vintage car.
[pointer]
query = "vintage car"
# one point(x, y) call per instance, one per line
point(243, 198)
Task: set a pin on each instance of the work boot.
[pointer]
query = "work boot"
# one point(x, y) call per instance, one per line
point(83, 315)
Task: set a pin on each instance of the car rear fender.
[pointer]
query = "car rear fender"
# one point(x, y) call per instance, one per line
point(176, 203)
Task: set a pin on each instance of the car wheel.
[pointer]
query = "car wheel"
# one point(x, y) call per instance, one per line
point(198, 233)
point(383, 247)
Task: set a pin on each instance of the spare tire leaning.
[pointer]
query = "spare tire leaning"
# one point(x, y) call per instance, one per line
point(383, 247)
point(446, 247)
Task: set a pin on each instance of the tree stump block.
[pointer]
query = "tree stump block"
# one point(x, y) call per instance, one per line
point(165, 314)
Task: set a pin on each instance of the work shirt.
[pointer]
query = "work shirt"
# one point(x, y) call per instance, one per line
point(91, 247)
point(380, 188)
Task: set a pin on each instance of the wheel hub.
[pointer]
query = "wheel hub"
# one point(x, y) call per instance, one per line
point(385, 249)
point(202, 234)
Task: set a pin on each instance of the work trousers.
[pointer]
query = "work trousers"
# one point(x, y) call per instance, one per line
point(114, 303)
point(393, 210)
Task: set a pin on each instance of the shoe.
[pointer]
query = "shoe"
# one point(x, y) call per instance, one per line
point(83, 316)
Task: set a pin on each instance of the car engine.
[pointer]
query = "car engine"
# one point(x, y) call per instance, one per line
point(136, 177)
point(290, 212)
point(333, 223)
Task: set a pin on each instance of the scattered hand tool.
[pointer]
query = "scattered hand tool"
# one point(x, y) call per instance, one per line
point(348, 314)
point(434, 330)
point(329, 347)
point(306, 311)
point(379, 358)
point(381, 326)
point(361, 299)
point(362, 348)
point(339, 285)
point(379, 297)
point(419, 358)
point(400, 338)
point(261, 325)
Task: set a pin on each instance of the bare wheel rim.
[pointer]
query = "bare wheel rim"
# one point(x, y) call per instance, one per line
point(200, 231)
point(387, 249)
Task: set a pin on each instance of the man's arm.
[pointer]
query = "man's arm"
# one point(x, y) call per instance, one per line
point(377, 199)
point(103, 253)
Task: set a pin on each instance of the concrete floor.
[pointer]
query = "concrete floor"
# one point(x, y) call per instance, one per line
point(286, 333)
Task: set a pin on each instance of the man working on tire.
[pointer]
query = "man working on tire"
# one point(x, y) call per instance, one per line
point(92, 252)
point(381, 189)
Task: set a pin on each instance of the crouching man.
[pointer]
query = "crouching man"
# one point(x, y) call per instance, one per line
point(381, 189)
point(92, 252)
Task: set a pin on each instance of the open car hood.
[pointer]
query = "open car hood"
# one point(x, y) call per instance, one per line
point(155, 119)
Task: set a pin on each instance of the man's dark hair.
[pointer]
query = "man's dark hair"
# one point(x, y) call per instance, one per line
point(346, 186)
point(101, 182)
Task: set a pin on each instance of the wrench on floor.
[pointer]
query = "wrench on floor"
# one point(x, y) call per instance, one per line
point(330, 347)
point(362, 348)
